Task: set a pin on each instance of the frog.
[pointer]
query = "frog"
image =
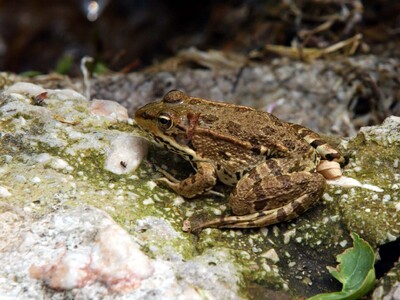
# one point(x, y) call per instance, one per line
point(269, 163)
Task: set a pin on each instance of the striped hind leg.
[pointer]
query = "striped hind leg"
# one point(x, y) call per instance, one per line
point(259, 201)
point(259, 219)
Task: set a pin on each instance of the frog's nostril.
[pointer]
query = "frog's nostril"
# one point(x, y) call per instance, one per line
point(141, 114)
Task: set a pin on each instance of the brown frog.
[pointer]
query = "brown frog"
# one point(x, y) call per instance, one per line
point(270, 163)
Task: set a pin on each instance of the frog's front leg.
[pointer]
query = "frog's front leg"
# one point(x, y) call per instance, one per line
point(268, 195)
point(197, 184)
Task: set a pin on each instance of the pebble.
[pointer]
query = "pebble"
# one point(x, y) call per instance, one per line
point(4, 192)
point(110, 109)
point(126, 154)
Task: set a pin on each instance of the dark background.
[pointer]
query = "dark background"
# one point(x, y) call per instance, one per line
point(53, 35)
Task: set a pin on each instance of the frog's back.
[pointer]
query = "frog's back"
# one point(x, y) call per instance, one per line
point(263, 132)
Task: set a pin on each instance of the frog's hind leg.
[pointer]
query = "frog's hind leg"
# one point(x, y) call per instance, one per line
point(257, 219)
point(261, 199)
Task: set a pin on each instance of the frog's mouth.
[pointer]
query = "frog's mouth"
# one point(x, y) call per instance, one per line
point(171, 145)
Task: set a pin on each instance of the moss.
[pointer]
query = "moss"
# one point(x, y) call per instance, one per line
point(372, 214)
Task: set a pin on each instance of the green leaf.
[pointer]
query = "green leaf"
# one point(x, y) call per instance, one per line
point(356, 272)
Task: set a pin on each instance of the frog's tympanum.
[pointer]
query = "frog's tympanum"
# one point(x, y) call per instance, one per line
point(270, 163)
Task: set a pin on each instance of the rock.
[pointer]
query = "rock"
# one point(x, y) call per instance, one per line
point(110, 109)
point(53, 160)
point(120, 158)
point(54, 169)
point(105, 254)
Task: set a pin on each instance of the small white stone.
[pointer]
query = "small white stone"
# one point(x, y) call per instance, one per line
point(334, 218)
point(26, 88)
point(375, 197)
point(386, 198)
point(288, 235)
point(177, 201)
point(110, 109)
point(391, 237)
point(397, 206)
point(22, 121)
point(266, 267)
point(327, 197)
point(189, 213)
point(271, 255)
point(59, 163)
point(65, 94)
point(126, 154)
point(4, 192)
point(217, 211)
point(275, 230)
point(20, 178)
point(148, 201)
point(264, 231)
point(151, 184)
point(8, 158)
point(36, 180)
point(396, 163)
point(343, 243)
point(75, 135)
point(43, 158)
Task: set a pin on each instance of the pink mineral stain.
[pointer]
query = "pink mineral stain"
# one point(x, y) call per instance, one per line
point(113, 259)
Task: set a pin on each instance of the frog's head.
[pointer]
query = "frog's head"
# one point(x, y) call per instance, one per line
point(170, 121)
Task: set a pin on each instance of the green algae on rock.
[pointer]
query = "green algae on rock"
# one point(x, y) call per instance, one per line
point(374, 159)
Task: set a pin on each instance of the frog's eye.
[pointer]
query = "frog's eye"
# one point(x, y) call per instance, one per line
point(164, 121)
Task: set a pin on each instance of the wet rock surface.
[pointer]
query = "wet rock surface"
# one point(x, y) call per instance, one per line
point(53, 155)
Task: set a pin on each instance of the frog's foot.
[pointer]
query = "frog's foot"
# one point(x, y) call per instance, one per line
point(167, 176)
point(258, 219)
point(214, 193)
point(195, 185)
